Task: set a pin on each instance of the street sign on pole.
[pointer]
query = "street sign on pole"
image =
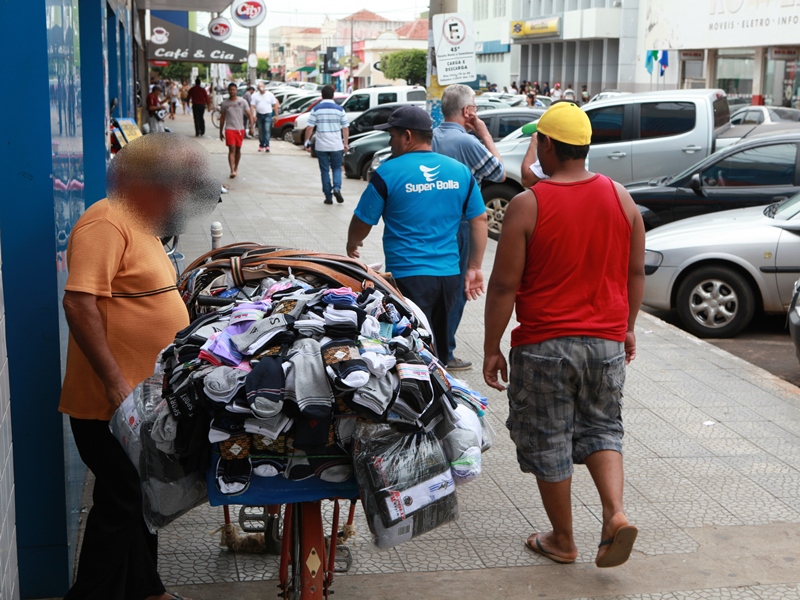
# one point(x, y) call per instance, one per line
point(454, 42)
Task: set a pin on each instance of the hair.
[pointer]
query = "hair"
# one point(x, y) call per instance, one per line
point(230, 85)
point(455, 98)
point(197, 81)
point(564, 151)
point(422, 136)
point(327, 92)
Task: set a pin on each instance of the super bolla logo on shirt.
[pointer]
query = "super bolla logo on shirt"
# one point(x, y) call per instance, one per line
point(432, 182)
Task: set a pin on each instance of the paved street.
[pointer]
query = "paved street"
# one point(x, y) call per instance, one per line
point(712, 451)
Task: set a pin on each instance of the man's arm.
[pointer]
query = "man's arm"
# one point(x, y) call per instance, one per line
point(276, 107)
point(345, 136)
point(636, 276)
point(356, 235)
point(509, 265)
point(222, 124)
point(86, 326)
point(478, 234)
point(528, 177)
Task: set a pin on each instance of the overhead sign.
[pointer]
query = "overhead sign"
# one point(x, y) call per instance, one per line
point(549, 27)
point(692, 54)
point(249, 13)
point(687, 24)
point(220, 29)
point(170, 42)
point(783, 53)
point(454, 43)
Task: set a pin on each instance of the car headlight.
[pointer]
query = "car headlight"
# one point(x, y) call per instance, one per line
point(652, 260)
point(378, 160)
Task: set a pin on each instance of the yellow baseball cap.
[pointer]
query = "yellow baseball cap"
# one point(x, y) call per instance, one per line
point(566, 122)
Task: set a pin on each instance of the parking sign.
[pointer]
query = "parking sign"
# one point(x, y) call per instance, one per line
point(454, 43)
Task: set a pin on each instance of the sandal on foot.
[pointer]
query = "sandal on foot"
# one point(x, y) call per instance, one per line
point(539, 549)
point(619, 547)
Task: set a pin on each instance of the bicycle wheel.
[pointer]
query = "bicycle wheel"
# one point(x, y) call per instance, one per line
point(215, 117)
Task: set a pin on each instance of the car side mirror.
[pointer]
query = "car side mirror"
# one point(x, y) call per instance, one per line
point(696, 185)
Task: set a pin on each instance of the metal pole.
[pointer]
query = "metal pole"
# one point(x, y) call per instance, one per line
point(252, 73)
point(434, 99)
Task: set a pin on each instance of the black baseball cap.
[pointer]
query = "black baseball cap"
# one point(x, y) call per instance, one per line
point(408, 117)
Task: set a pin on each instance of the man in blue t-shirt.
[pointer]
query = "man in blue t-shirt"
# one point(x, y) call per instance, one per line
point(422, 196)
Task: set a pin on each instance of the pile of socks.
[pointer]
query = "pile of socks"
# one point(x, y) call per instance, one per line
point(292, 375)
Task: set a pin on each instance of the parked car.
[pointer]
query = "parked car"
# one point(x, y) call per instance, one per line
point(634, 137)
point(499, 122)
point(754, 172)
point(283, 126)
point(756, 115)
point(737, 133)
point(296, 104)
point(358, 157)
point(794, 318)
point(718, 269)
point(366, 98)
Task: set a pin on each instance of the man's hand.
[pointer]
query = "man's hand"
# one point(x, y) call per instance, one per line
point(492, 363)
point(346, 146)
point(352, 250)
point(476, 124)
point(116, 393)
point(630, 347)
point(473, 284)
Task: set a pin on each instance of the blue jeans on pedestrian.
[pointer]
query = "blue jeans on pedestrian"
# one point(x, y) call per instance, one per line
point(454, 317)
point(330, 161)
point(264, 125)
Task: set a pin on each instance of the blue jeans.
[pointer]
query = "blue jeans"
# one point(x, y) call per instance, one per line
point(330, 161)
point(454, 317)
point(264, 125)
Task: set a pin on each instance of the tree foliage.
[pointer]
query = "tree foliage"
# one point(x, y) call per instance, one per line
point(411, 65)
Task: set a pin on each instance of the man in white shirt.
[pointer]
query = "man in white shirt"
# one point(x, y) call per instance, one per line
point(265, 103)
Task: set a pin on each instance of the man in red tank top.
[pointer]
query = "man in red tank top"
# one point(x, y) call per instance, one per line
point(570, 260)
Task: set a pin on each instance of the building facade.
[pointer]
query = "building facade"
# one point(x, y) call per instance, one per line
point(411, 36)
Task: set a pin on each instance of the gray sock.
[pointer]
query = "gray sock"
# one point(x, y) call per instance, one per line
point(312, 392)
point(221, 383)
point(260, 333)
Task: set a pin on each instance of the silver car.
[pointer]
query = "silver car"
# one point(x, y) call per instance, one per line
point(718, 269)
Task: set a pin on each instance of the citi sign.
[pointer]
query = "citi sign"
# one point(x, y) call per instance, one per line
point(249, 10)
point(220, 29)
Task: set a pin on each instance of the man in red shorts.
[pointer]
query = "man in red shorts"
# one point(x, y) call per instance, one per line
point(570, 260)
point(231, 126)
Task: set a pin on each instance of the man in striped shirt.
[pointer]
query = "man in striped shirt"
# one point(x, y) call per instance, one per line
point(479, 153)
point(332, 131)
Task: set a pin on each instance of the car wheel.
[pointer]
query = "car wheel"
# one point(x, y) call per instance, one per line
point(365, 168)
point(496, 199)
point(350, 174)
point(715, 302)
point(287, 135)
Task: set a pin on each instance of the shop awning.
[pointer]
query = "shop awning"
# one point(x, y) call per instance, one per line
point(306, 69)
point(198, 5)
point(364, 71)
point(343, 73)
point(177, 44)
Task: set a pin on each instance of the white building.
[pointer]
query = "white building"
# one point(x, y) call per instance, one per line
point(411, 36)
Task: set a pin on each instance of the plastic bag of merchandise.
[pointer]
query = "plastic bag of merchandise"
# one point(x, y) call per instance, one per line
point(164, 451)
point(406, 484)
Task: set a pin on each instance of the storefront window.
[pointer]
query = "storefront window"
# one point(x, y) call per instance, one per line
point(735, 70)
point(781, 83)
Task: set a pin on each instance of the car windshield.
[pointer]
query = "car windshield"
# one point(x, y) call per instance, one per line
point(695, 168)
point(784, 210)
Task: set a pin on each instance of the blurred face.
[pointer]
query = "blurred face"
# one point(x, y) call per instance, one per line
point(261, 87)
point(232, 91)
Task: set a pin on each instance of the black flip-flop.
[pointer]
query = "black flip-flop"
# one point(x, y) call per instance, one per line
point(619, 547)
point(539, 549)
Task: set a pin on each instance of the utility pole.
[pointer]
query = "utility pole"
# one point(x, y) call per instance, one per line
point(252, 73)
point(434, 100)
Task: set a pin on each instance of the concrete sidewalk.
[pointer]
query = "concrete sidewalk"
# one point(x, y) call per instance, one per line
point(712, 455)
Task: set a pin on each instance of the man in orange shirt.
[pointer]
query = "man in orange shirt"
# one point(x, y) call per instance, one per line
point(123, 308)
point(570, 260)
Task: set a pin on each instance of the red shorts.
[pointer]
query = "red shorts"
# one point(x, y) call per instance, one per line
point(234, 137)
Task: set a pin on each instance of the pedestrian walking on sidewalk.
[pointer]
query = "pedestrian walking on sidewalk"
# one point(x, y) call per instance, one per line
point(422, 196)
point(201, 101)
point(231, 126)
point(155, 109)
point(109, 353)
point(576, 284)
point(265, 104)
point(478, 153)
point(332, 131)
